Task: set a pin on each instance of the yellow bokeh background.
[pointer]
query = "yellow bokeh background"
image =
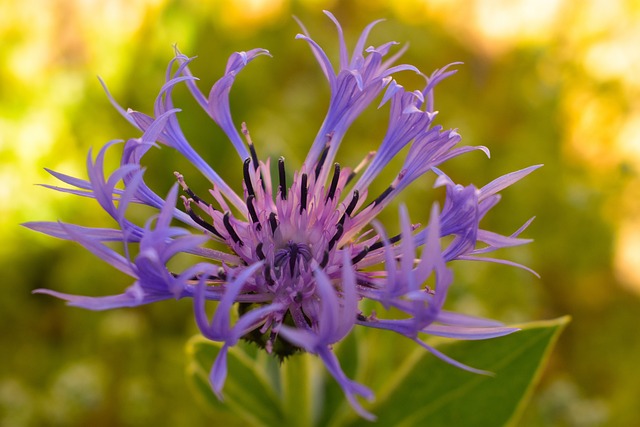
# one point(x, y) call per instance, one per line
point(544, 81)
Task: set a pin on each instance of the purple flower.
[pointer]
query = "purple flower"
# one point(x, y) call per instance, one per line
point(298, 258)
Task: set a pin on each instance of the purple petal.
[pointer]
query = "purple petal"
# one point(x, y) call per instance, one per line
point(350, 297)
point(407, 251)
point(344, 56)
point(458, 319)
point(357, 52)
point(497, 241)
point(321, 57)
point(117, 106)
point(451, 361)
point(128, 299)
point(499, 261)
point(104, 252)
point(350, 388)
point(76, 182)
point(330, 309)
point(221, 323)
point(466, 333)
point(59, 230)
point(504, 181)
point(219, 371)
point(218, 100)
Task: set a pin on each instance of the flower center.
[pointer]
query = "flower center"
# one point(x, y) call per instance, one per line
point(292, 230)
point(295, 255)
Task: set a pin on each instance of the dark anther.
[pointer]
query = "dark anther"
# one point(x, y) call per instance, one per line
point(247, 176)
point(201, 222)
point(334, 182)
point(360, 166)
point(273, 222)
point(252, 212)
point(325, 259)
point(259, 251)
point(221, 274)
point(267, 275)
point(252, 149)
point(293, 257)
point(350, 177)
point(227, 224)
point(336, 237)
point(293, 253)
point(323, 155)
point(361, 317)
point(352, 204)
point(303, 192)
point(356, 259)
point(188, 190)
point(384, 194)
point(379, 244)
point(283, 178)
point(298, 297)
point(254, 156)
point(194, 196)
point(351, 207)
point(198, 277)
point(364, 282)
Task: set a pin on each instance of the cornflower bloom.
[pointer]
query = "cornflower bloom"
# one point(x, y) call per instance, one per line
point(298, 257)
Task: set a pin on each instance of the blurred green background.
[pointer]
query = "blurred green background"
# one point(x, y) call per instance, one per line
point(544, 81)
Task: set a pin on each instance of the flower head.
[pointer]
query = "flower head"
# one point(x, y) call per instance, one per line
point(298, 257)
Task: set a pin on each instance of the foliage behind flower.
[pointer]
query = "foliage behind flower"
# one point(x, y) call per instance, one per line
point(300, 250)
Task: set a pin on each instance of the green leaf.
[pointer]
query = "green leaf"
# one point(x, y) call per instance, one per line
point(412, 387)
point(428, 391)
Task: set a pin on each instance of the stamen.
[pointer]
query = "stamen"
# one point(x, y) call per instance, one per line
point(273, 222)
point(384, 194)
point(334, 182)
point(379, 244)
point(325, 259)
point(259, 251)
point(351, 207)
point(227, 224)
point(252, 149)
point(350, 177)
point(360, 166)
point(303, 192)
point(252, 212)
point(196, 218)
point(283, 179)
point(187, 190)
point(323, 155)
point(293, 257)
point(356, 259)
point(247, 177)
point(336, 237)
point(353, 203)
point(267, 275)
point(364, 282)
point(197, 277)
point(295, 253)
